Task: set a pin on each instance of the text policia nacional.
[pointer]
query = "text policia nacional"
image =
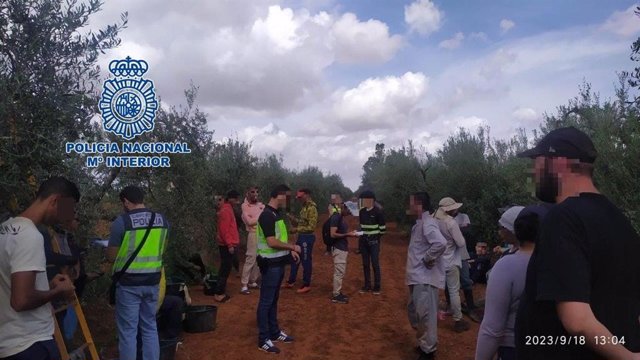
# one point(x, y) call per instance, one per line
point(128, 154)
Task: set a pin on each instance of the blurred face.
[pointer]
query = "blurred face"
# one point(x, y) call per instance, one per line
point(415, 207)
point(233, 201)
point(547, 173)
point(481, 250)
point(284, 200)
point(252, 195)
point(368, 203)
point(60, 210)
point(453, 213)
point(302, 198)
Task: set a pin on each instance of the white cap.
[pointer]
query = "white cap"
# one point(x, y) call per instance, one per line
point(508, 218)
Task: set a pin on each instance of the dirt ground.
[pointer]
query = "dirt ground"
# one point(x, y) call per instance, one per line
point(368, 327)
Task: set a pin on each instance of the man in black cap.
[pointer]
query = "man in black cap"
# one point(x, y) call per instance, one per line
point(373, 227)
point(582, 292)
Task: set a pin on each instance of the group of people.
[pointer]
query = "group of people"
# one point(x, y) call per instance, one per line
point(268, 249)
point(568, 287)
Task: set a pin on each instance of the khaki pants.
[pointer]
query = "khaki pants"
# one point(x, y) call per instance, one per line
point(339, 269)
point(250, 271)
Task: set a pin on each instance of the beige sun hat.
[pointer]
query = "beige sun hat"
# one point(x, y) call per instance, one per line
point(448, 204)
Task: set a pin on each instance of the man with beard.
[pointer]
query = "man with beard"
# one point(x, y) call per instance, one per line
point(582, 291)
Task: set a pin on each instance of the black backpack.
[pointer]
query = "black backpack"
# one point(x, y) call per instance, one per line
point(326, 231)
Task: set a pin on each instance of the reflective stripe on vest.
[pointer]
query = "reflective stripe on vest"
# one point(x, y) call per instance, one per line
point(149, 259)
point(374, 229)
point(264, 249)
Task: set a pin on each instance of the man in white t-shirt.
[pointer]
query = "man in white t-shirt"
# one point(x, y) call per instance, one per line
point(26, 321)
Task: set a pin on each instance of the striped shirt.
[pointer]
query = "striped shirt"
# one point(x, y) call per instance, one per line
point(372, 222)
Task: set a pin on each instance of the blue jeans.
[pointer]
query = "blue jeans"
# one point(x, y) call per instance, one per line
point(306, 244)
point(136, 306)
point(268, 304)
point(370, 251)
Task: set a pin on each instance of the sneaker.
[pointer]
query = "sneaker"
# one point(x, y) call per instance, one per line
point(376, 291)
point(340, 299)
point(427, 356)
point(245, 291)
point(287, 285)
point(268, 347)
point(304, 289)
point(460, 326)
point(254, 286)
point(365, 289)
point(283, 337)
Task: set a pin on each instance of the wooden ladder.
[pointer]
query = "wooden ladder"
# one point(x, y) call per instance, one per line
point(88, 340)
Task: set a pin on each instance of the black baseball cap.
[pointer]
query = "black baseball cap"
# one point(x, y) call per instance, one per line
point(566, 142)
point(367, 194)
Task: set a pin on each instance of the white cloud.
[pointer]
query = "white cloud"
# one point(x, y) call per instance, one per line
point(379, 102)
point(624, 23)
point(268, 139)
point(452, 43)
point(479, 36)
point(251, 55)
point(471, 123)
point(423, 17)
point(281, 28)
point(525, 116)
point(506, 25)
point(361, 42)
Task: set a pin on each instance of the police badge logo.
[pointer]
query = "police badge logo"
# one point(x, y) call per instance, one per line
point(128, 103)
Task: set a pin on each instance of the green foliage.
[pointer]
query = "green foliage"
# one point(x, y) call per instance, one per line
point(614, 127)
point(482, 173)
point(47, 75)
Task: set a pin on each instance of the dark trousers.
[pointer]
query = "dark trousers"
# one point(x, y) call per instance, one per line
point(305, 241)
point(226, 261)
point(267, 313)
point(370, 251)
point(170, 319)
point(42, 350)
point(235, 261)
point(465, 277)
point(506, 353)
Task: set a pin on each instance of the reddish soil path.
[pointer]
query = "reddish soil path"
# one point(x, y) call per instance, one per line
point(368, 327)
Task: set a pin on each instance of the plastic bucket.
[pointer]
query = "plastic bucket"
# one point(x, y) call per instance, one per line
point(200, 318)
point(168, 349)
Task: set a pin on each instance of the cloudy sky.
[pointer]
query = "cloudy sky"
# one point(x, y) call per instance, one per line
point(322, 81)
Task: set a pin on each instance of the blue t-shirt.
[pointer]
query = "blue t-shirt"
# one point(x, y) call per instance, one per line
point(341, 243)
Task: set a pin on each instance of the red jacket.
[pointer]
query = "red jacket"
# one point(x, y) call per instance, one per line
point(227, 228)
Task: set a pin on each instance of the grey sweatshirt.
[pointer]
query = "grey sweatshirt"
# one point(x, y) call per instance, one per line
point(505, 286)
